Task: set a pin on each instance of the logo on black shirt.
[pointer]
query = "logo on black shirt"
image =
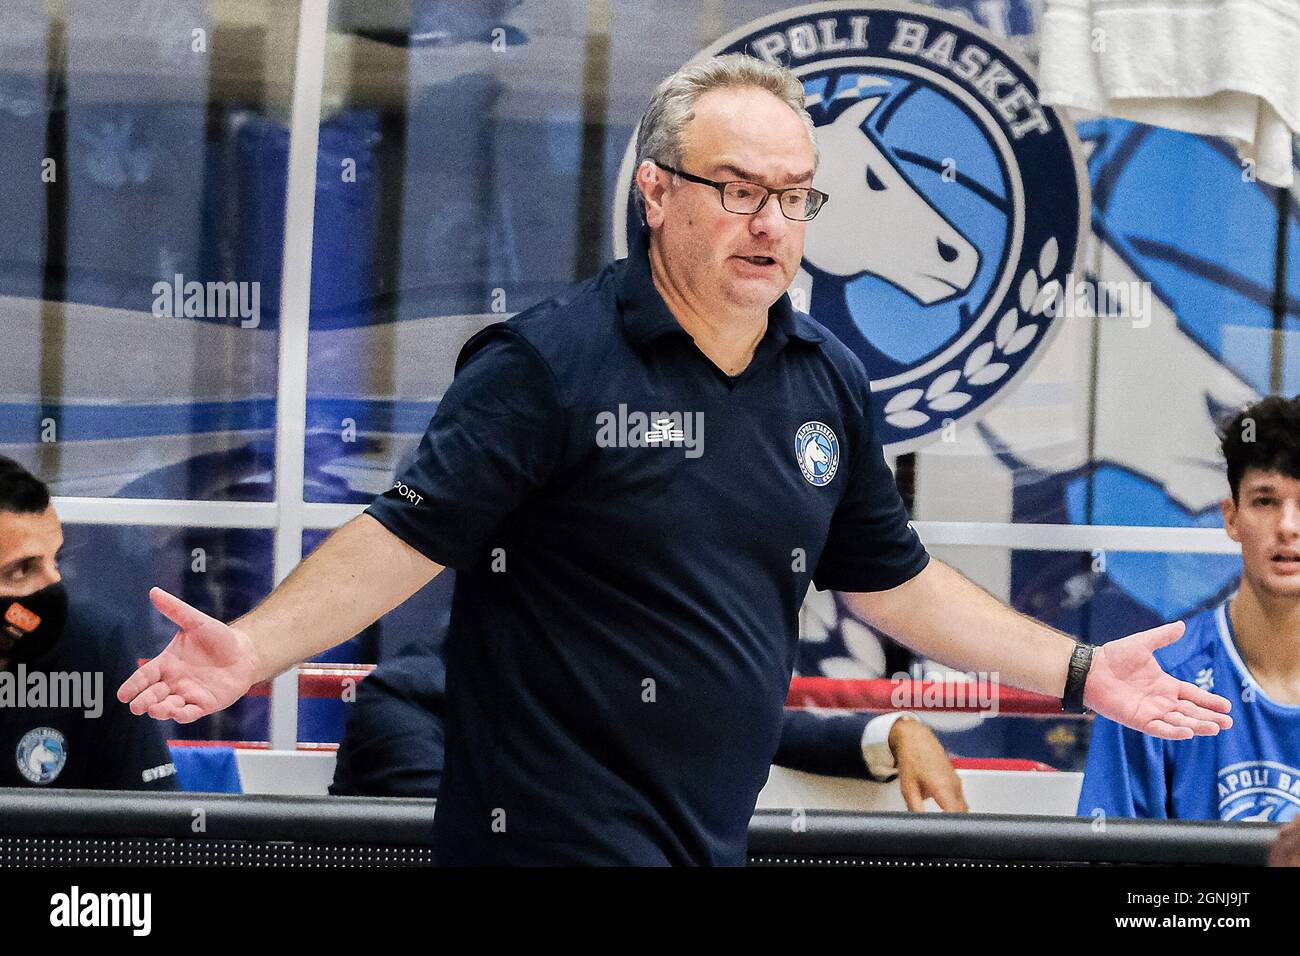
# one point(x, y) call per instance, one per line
point(818, 452)
point(632, 429)
point(41, 754)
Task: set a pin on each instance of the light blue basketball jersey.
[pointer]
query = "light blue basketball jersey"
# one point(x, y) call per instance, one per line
point(1251, 772)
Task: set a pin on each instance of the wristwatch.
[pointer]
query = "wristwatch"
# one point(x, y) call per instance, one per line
point(1076, 677)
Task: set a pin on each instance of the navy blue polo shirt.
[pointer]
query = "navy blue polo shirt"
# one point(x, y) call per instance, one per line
point(634, 532)
point(392, 746)
point(63, 747)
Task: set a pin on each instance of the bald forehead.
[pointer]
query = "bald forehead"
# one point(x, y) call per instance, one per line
point(748, 129)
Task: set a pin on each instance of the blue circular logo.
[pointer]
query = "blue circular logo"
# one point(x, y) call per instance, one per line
point(1259, 790)
point(957, 206)
point(41, 754)
point(817, 451)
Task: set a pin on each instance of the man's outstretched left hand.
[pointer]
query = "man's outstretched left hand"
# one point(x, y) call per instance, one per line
point(1127, 684)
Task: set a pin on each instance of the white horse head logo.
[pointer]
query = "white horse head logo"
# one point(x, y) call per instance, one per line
point(41, 759)
point(877, 223)
point(815, 458)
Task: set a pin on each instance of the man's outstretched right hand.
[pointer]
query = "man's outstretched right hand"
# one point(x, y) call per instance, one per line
point(206, 667)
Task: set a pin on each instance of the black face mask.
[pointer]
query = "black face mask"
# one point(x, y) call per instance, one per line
point(30, 625)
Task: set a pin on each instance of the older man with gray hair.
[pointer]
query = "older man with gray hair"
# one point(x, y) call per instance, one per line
point(637, 482)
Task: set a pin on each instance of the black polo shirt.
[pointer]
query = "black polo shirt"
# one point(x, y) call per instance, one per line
point(80, 747)
point(392, 746)
point(634, 533)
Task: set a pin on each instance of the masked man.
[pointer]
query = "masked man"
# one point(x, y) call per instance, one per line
point(60, 725)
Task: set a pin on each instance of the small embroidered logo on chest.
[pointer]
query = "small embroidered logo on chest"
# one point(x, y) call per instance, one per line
point(41, 754)
point(817, 451)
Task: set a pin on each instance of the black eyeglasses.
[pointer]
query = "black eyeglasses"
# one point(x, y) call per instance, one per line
point(799, 203)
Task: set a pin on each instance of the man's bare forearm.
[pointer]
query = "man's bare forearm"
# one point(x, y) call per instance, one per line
point(357, 575)
point(949, 618)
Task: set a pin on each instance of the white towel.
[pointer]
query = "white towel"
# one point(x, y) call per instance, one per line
point(1227, 68)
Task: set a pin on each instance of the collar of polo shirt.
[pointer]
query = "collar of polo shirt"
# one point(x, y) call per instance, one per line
point(646, 316)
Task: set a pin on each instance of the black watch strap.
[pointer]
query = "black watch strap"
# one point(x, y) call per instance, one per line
point(1076, 677)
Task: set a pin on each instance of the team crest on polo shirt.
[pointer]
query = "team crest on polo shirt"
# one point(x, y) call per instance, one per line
point(957, 208)
point(41, 754)
point(817, 451)
point(1259, 790)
